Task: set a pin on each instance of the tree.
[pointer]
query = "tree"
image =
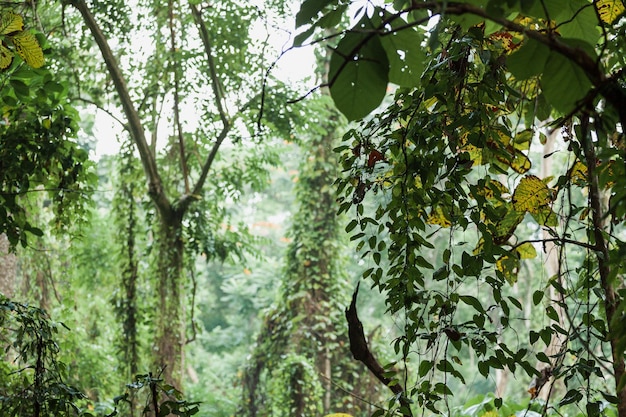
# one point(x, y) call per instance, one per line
point(451, 159)
point(206, 62)
point(299, 349)
point(38, 149)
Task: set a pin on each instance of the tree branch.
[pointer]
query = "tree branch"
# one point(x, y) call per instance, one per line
point(155, 185)
point(218, 94)
point(361, 352)
point(174, 69)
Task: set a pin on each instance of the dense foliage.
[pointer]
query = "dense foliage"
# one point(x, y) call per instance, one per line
point(39, 153)
point(452, 169)
point(481, 186)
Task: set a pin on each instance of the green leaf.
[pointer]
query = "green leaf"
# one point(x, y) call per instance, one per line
point(529, 60)
point(309, 10)
point(580, 22)
point(552, 314)
point(541, 356)
point(405, 53)
point(483, 368)
point(563, 83)
point(537, 297)
point(299, 39)
point(572, 396)
point(545, 216)
point(467, 20)
point(21, 89)
point(358, 72)
point(333, 17)
point(526, 251)
point(424, 367)
point(472, 301)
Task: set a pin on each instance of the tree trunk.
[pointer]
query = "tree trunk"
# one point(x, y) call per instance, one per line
point(170, 334)
point(612, 299)
point(8, 268)
point(551, 267)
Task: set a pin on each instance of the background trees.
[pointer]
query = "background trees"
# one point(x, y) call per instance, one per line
point(204, 72)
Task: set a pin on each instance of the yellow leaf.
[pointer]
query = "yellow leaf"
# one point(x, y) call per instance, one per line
point(526, 251)
point(578, 174)
point(438, 217)
point(531, 195)
point(515, 159)
point(491, 413)
point(609, 10)
point(509, 266)
point(6, 57)
point(28, 48)
point(10, 22)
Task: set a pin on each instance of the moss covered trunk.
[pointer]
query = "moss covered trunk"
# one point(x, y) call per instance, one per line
point(169, 316)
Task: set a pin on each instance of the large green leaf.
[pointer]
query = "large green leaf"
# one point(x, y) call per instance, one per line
point(358, 72)
point(529, 60)
point(467, 20)
point(580, 22)
point(405, 53)
point(310, 10)
point(548, 10)
point(563, 83)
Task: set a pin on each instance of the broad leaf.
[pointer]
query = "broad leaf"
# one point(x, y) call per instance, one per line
point(610, 10)
point(563, 83)
point(6, 57)
point(529, 60)
point(545, 216)
point(10, 23)
point(526, 251)
point(405, 54)
point(358, 72)
point(506, 227)
point(508, 265)
point(531, 194)
point(580, 22)
point(438, 217)
point(333, 17)
point(28, 49)
point(310, 10)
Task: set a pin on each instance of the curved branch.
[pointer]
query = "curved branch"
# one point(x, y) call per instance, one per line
point(361, 352)
point(219, 97)
point(108, 112)
point(155, 185)
point(175, 70)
